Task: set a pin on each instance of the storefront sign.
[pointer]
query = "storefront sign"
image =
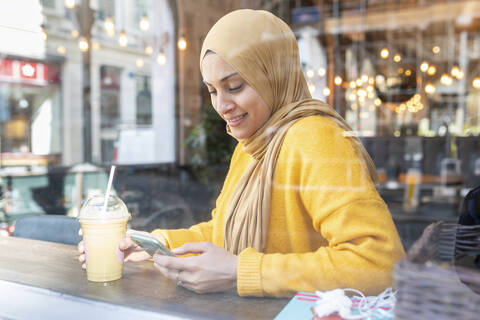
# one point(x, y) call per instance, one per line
point(24, 72)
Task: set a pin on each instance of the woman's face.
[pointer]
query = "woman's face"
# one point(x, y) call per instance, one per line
point(234, 100)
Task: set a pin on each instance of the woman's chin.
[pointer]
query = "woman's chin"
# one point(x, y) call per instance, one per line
point(239, 134)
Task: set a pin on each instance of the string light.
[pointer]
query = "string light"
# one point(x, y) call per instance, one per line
point(424, 66)
point(460, 75)
point(70, 4)
point(83, 44)
point(397, 58)
point(361, 100)
point(310, 73)
point(380, 79)
point(326, 91)
point(413, 105)
point(44, 35)
point(455, 70)
point(446, 80)
point(322, 72)
point(338, 80)
point(122, 39)
point(352, 84)
point(95, 45)
point(432, 70)
point(408, 72)
point(359, 82)
point(148, 50)
point(109, 26)
point(430, 88)
point(436, 49)
point(476, 83)
point(311, 88)
point(377, 102)
point(364, 78)
point(144, 24)
point(61, 50)
point(182, 43)
point(384, 53)
point(161, 58)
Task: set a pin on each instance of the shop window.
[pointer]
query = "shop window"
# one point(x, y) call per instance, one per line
point(144, 100)
point(51, 4)
point(141, 9)
point(30, 112)
point(106, 8)
point(110, 109)
point(110, 91)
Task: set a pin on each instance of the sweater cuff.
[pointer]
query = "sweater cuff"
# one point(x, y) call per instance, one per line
point(249, 273)
point(164, 234)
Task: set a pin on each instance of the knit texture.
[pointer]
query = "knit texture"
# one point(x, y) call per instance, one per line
point(328, 227)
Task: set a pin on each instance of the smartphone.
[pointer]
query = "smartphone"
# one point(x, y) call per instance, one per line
point(150, 244)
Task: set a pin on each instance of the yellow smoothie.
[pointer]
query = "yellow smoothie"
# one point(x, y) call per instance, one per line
point(102, 232)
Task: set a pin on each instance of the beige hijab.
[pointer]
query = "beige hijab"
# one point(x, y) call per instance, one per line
point(264, 51)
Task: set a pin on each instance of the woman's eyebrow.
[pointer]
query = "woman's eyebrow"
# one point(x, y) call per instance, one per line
point(223, 79)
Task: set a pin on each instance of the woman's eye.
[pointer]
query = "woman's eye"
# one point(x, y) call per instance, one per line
point(212, 92)
point(236, 88)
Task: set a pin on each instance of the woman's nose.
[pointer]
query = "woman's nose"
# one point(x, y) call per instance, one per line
point(224, 105)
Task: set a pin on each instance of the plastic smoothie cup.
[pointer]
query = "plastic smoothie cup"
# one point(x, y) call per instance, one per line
point(102, 230)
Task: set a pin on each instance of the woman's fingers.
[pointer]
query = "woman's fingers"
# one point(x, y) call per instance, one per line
point(175, 276)
point(126, 243)
point(193, 247)
point(136, 256)
point(81, 247)
point(132, 252)
point(215, 269)
point(188, 263)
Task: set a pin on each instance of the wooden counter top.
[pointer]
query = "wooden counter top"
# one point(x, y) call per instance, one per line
point(44, 280)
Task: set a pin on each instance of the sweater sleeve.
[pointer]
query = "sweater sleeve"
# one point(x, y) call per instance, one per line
point(328, 177)
point(197, 233)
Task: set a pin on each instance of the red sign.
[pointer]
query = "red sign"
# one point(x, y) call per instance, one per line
point(28, 72)
point(6, 68)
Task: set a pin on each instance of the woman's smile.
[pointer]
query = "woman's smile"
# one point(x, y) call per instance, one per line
point(236, 121)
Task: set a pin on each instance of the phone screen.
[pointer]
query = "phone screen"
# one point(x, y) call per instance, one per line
point(150, 244)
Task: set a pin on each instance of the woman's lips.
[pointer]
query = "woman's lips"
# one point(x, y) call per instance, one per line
point(234, 122)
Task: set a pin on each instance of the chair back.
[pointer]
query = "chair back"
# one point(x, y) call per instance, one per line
point(53, 228)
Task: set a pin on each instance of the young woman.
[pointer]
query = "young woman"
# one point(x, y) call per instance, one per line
point(298, 210)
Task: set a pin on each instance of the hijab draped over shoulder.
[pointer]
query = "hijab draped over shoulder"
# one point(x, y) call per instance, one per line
point(264, 51)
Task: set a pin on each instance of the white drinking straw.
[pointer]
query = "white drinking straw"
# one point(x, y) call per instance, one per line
point(109, 188)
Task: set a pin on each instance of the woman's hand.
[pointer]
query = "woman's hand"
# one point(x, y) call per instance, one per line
point(215, 269)
point(131, 251)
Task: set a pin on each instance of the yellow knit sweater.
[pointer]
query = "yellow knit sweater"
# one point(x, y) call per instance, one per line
point(328, 227)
